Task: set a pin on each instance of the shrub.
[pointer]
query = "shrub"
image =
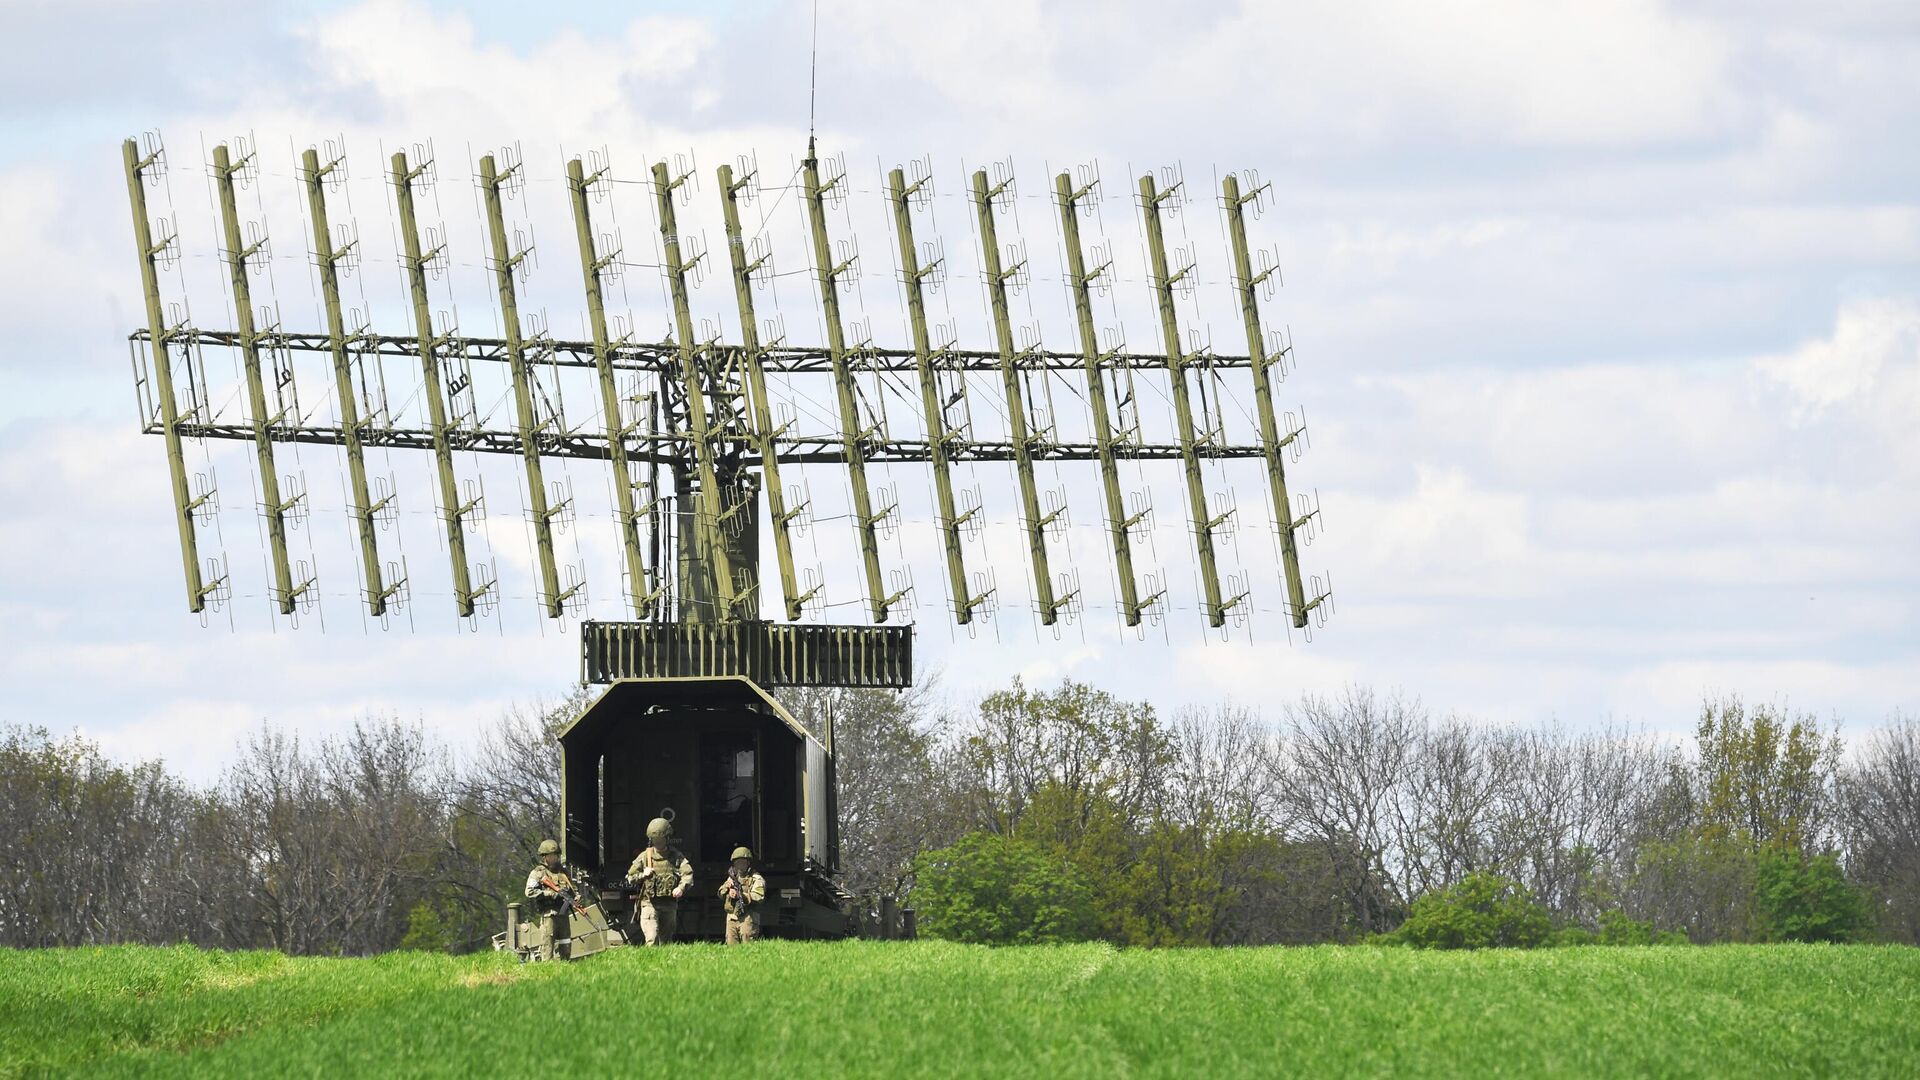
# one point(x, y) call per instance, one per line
point(1617, 928)
point(1807, 899)
point(1484, 910)
point(996, 890)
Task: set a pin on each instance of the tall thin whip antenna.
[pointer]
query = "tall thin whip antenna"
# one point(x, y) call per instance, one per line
point(813, 71)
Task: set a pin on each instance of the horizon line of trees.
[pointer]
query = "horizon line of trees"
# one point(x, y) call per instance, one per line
point(1036, 814)
point(1329, 822)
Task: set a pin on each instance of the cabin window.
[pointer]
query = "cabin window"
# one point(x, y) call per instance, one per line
point(729, 797)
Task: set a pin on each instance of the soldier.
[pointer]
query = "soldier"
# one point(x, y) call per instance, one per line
point(551, 890)
point(661, 874)
point(742, 894)
point(548, 885)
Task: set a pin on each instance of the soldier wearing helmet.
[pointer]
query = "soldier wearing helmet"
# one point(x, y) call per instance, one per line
point(660, 875)
point(548, 885)
point(741, 894)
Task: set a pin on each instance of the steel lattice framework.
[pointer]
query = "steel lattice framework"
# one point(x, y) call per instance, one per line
point(707, 417)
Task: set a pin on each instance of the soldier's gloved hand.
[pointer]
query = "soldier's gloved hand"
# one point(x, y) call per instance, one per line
point(645, 873)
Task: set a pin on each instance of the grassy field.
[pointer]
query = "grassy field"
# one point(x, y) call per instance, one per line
point(932, 1009)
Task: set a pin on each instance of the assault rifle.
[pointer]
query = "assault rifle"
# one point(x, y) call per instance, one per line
point(739, 891)
point(567, 893)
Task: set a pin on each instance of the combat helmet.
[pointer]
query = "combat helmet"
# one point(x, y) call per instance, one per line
point(740, 853)
point(549, 847)
point(659, 829)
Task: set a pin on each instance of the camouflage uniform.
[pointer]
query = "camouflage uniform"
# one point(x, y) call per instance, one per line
point(547, 899)
point(545, 887)
point(659, 909)
point(743, 911)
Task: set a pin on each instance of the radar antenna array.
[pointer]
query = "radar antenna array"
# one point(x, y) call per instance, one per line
point(725, 418)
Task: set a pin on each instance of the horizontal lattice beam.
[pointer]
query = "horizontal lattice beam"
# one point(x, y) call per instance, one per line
point(768, 653)
point(672, 449)
point(779, 359)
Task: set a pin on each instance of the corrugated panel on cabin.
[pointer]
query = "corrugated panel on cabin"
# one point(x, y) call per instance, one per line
point(770, 654)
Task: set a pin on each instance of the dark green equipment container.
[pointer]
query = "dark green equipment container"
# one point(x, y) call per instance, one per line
point(730, 767)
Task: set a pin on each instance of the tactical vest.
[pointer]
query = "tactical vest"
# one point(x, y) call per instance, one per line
point(666, 873)
point(745, 904)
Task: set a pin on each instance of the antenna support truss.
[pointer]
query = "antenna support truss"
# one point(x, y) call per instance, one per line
point(702, 409)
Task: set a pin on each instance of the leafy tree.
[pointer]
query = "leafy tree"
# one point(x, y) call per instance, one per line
point(891, 797)
point(1802, 898)
point(1881, 826)
point(1764, 777)
point(997, 890)
point(1699, 885)
point(1091, 747)
point(1482, 911)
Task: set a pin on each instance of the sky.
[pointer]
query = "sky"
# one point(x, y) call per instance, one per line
point(1606, 325)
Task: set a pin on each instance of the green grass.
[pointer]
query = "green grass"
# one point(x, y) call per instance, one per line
point(934, 1009)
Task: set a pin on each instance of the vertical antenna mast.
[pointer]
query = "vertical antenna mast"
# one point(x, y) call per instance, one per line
point(1119, 524)
point(159, 338)
point(1036, 523)
point(505, 262)
point(853, 435)
point(1246, 282)
point(641, 592)
point(285, 592)
point(939, 439)
point(1163, 283)
point(764, 432)
point(712, 562)
point(315, 174)
point(464, 594)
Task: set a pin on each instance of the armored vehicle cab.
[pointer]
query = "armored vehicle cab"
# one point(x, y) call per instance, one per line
point(729, 766)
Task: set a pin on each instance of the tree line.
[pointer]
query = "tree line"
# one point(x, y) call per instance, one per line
point(1331, 821)
point(1035, 814)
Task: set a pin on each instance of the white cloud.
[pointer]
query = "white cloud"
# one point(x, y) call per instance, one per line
point(1608, 313)
point(1872, 358)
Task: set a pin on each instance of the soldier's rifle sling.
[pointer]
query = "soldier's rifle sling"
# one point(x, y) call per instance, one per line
point(565, 894)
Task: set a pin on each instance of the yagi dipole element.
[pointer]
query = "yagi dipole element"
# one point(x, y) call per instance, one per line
point(161, 339)
point(285, 593)
point(1080, 281)
point(713, 564)
point(703, 410)
point(361, 509)
point(1204, 521)
point(505, 260)
point(643, 593)
point(1023, 442)
point(765, 435)
point(456, 512)
point(940, 441)
point(1272, 443)
point(853, 433)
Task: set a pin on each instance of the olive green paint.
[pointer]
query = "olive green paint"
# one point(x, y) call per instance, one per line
point(314, 176)
point(853, 437)
point(642, 591)
point(1203, 523)
point(712, 562)
point(939, 439)
point(184, 504)
point(765, 435)
point(552, 599)
point(1030, 517)
point(1079, 280)
point(1246, 283)
point(433, 389)
point(285, 593)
